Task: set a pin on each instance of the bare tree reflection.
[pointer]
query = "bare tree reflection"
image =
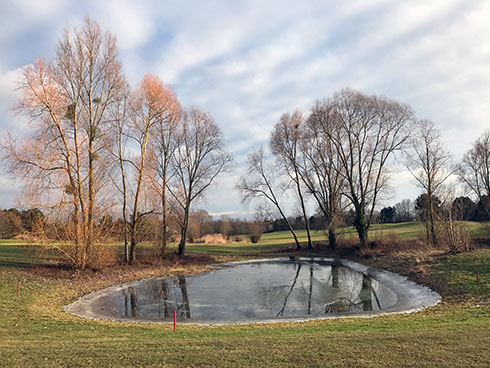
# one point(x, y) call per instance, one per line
point(164, 296)
point(277, 291)
point(130, 302)
point(361, 297)
point(335, 276)
point(366, 294)
point(311, 289)
point(126, 303)
point(185, 297)
point(281, 312)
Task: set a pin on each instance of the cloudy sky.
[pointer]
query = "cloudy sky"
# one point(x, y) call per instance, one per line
point(247, 62)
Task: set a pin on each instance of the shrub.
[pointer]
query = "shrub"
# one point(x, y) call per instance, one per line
point(255, 230)
point(456, 235)
point(102, 257)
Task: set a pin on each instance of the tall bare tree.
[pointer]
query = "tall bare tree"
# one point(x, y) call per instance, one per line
point(69, 101)
point(150, 106)
point(198, 159)
point(285, 143)
point(119, 154)
point(320, 169)
point(474, 170)
point(367, 131)
point(162, 148)
point(260, 182)
point(428, 163)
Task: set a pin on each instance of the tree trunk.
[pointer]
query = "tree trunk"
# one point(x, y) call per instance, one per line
point(298, 245)
point(183, 232)
point(332, 238)
point(276, 203)
point(125, 232)
point(303, 208)
point(132, 233)
point(91, 199)
point(126, 250)
point(362, 232)
point(132, 253)
point(163, 246)
point(433, 236)
point(361, 226)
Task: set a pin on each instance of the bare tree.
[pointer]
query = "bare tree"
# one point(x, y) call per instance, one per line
point(119, 153)
point(198, 159)
point(319, 167)
point(474, 170)
point(428, 163)
point(162, 149)
point(150, 106)
point(404, 211)
point(69, 102)
point(285, 146)
point(367, 131)
point(259, 182)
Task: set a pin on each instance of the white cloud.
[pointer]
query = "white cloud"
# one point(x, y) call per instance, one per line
point(130, 21)
point(8, 98)
point(248, 62)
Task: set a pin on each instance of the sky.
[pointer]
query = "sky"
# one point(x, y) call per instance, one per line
point(247, 62)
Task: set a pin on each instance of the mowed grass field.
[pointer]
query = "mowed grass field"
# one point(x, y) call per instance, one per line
point(405, 231)
point(35, 332)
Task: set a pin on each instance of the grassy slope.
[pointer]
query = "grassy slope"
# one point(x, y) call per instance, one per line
point(35, 332)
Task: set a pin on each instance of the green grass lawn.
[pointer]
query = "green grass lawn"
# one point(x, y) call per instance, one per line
point(405, 231)
point(35, 332)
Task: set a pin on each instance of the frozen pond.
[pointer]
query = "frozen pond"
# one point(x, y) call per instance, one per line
point(264, 290)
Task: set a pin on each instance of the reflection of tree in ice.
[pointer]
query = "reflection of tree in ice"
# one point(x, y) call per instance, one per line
point(266, 290)
point(130, 302)
point(366, 294)
point(318, 288)
point(158, 299)
point(356, 302)
point(281, 312)
point(185, 298)
point(274, 297)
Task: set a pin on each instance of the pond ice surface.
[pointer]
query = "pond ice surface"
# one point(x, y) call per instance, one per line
point(267, 290)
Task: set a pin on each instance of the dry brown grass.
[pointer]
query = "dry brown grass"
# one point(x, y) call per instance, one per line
point(214, 239)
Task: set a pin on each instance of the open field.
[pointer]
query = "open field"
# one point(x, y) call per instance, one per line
point(15, 251)
point(35, 332)
point(405, 231)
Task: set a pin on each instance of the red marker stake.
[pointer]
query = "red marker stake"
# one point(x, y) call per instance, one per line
point(18, 290)
point(175, 321)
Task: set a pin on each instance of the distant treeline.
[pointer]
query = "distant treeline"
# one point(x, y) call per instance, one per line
point(14, 222)
point(32, 223)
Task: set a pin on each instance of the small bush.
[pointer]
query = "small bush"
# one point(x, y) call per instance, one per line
point(255, 230)
point(456, 235)
point(255, 238)
point(102, 257)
